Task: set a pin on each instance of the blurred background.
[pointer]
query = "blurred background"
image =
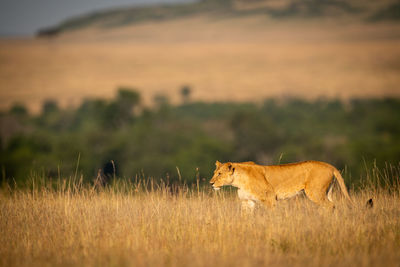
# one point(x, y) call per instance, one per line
point(163, 89)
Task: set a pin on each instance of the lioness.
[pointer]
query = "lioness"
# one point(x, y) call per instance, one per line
point(266, 184)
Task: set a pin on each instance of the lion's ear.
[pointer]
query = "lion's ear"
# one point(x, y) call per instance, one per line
point(231, 168)
point(217, 163)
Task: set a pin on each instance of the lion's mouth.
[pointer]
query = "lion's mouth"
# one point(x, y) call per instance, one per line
point(216, 188)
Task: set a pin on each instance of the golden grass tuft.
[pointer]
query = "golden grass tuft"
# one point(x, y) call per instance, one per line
point(130, 224)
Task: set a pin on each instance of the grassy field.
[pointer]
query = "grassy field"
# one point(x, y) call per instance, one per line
point(226, 59)
point(222, 58)
point(128, 225)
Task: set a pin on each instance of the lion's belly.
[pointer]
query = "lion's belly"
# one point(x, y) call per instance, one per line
point(286, 195)
point(288, 189)
point(246, 195)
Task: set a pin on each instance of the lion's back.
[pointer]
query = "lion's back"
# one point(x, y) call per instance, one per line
point(293, 177)
point(286, 179)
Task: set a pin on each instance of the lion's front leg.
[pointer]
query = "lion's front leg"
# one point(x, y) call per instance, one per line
point(269, 199)
point(248, 206)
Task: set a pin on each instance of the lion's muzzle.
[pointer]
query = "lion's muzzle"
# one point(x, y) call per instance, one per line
point(216, 188)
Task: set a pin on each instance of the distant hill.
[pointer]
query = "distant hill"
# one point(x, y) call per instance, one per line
point(368, 11)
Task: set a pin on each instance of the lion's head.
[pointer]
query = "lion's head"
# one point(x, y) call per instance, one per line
point(223, 175)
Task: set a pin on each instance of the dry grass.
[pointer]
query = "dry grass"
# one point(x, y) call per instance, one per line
point(129, 226)
point(224, 60)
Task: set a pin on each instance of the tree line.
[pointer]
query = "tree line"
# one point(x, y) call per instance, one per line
point(122, 138)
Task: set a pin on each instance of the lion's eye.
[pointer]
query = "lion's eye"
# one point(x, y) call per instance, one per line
point(219, 173)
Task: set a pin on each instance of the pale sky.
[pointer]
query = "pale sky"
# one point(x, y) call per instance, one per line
point(25, 17)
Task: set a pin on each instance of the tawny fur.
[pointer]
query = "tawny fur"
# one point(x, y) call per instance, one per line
point(266, 184)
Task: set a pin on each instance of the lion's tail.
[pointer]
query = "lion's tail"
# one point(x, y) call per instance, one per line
point(340, 180)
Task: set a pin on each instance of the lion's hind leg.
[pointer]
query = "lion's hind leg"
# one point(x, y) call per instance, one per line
point(318, 188)
point(329, 192)
point(319, 197)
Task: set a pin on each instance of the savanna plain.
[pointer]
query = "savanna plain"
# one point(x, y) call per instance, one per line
point(66, 221)
point(141, 223)
point(238, 59)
